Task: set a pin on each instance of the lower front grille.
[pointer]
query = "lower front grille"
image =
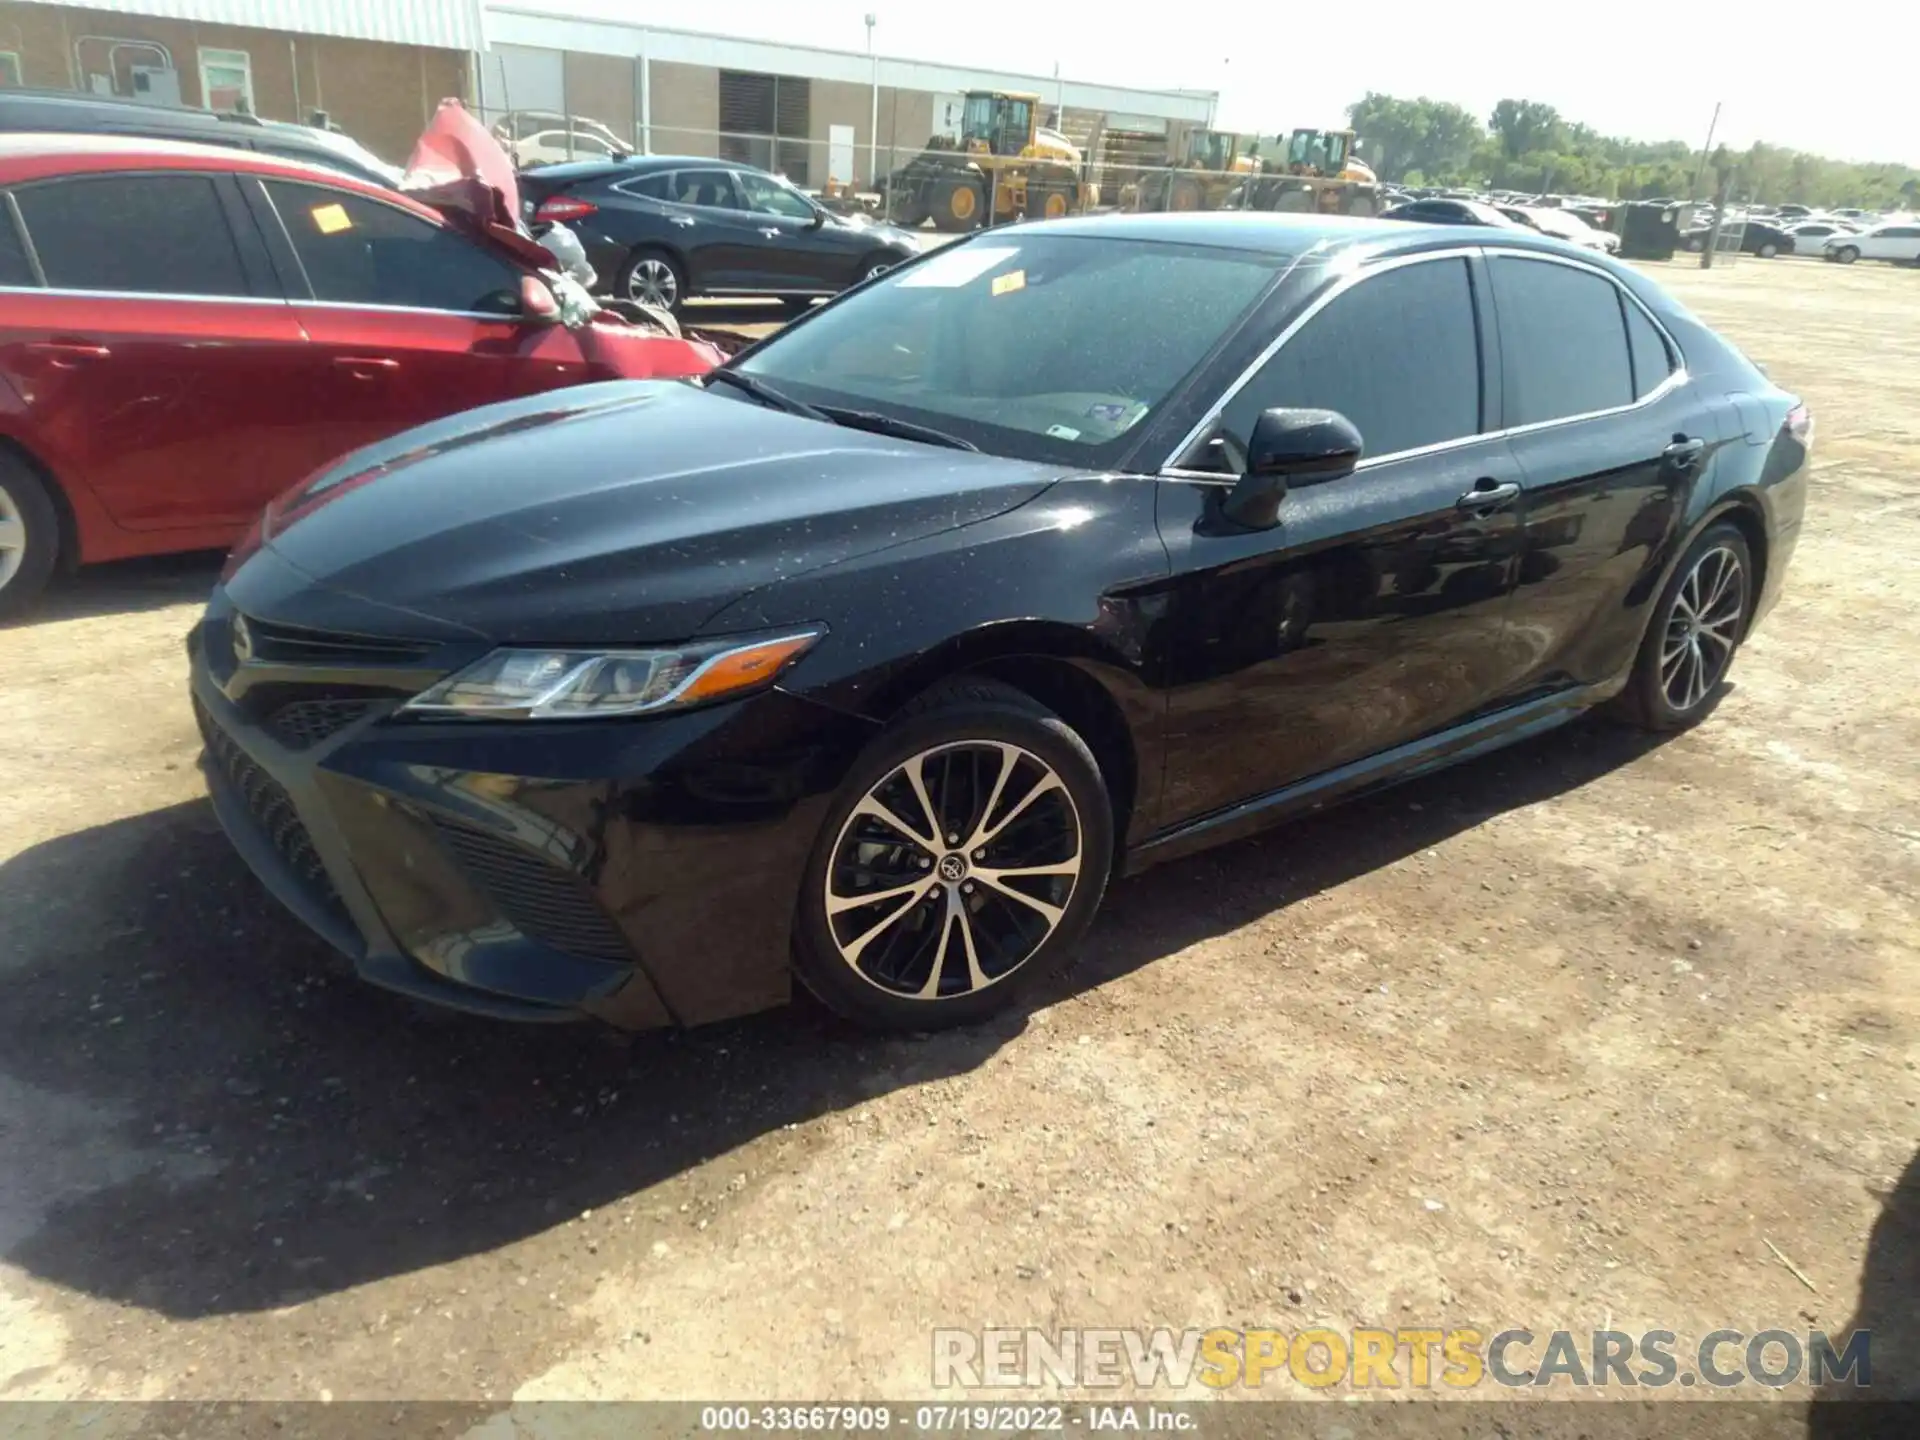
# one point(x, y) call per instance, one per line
point(269, 806)
point(540, 900)
point(303, 724)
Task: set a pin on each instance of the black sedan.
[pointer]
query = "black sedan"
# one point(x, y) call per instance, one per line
point(1065, 550)
point(663, 229)
point(1452, 212)
point(1756, 238)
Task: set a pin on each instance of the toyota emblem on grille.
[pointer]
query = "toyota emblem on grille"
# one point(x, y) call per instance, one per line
point(242, 639)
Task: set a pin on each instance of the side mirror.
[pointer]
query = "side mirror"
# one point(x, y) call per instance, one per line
point(536, 300)
point(819, 219)
point(1288, 448)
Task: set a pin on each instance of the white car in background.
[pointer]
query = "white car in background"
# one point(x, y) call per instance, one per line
point(1899, 242)
point(1562, 226)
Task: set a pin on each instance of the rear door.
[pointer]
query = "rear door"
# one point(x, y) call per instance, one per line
point(160, 367)
point(409, 320)
point(1610, 440)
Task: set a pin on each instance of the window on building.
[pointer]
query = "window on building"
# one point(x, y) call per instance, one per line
point(9, 67)
point(765, 121)
point(362, 252)
point(80, 230)
point(226, 80)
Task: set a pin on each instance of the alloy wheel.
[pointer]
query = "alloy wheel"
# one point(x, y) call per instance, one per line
point(953, 870)
point(651, 281)
point(1703, 626)
point(13, 538)
point(874, 271)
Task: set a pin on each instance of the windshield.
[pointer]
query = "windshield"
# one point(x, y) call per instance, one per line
point(1040, 347)
point(999, 123)
point(1210, 150)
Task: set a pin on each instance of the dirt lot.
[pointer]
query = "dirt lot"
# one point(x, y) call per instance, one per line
point(1560, 1038)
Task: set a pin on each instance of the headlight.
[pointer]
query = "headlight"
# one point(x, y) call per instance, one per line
point(584, 684)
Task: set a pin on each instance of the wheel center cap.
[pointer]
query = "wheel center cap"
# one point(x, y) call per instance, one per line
point(953, 867)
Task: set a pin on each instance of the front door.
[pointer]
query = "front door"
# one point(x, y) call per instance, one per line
point(408, 320)
point(803, 251)
point(1375, 612)
point(163, 372)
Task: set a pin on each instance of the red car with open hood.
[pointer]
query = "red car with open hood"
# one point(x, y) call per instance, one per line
point(188, 330)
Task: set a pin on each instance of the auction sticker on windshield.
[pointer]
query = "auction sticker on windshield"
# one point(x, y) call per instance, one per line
point(955, 268)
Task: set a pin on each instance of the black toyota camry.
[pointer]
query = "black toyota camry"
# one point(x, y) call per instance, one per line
point(874, 658)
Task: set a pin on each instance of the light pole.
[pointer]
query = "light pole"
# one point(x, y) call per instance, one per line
point(873, 123)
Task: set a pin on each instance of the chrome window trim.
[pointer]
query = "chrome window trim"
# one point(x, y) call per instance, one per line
point(621, 185)
point(408, 310)
point(19, 223)
point(1676, 377)
point(172, 295)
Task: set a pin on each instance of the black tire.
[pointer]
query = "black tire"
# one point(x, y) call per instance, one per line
point(956, 725)
point(960, 205)
point(1651, 699)
point(1695, 244)
point(1767, 250)
point(876, 264)
point(1847, 254)
point(645, 276)
point(29, 535)
point(1185, 194)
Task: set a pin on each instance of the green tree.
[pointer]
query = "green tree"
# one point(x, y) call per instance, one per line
point(1525, 126)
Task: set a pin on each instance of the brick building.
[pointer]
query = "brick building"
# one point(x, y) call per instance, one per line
point(377, 70)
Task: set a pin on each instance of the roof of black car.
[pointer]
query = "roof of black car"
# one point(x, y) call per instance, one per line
point(1285, 233)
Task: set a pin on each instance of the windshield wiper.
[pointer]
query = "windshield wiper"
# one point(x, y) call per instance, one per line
point(765, 393)
point(836, 414)
point(886, 425)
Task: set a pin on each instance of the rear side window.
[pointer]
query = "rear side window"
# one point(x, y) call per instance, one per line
point(1398, 355)
point(360, 252)
point(653, 187)
point(140, 234)
point(1652, 362)
point(1563, 346)
point(14, 269)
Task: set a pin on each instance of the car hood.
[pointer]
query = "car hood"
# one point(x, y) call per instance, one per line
point(609, 514)
point(881, 232)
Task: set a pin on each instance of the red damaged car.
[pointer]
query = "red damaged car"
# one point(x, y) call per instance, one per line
point(188, 330)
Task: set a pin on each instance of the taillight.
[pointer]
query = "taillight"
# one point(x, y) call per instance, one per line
point(564, 207)
point(1800, 424)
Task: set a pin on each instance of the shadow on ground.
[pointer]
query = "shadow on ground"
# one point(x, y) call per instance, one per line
point(123, 587)
point(1889, 1311)
point(301, 1133)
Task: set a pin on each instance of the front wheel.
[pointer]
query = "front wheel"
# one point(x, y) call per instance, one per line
point(1698, 624)
point(1767, 250)
point(961, 862)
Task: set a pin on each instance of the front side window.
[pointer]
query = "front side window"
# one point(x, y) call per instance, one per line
point(1044, 347)
point(357, 251)
point(1563, 345)
point(1398, 355)
point(770, 197)
point(82, 229)
point(226, 80)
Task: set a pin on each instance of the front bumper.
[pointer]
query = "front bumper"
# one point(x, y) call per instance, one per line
point(644, 872)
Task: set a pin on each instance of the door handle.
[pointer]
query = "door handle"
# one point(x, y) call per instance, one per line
point(1684, 453)
point(772, 232)
point(682, 220)
point(365, 367)
point(68, 352)
point(1487, 493)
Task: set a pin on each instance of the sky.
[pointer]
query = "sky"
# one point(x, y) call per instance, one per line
point(1646, 70)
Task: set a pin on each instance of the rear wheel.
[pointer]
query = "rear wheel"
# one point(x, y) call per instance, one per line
point(29, 535)
point(652, 278)
point(1847, 254)
point(961, 862)
point(1186, 194)
point(1698, 624)
point(1767, 250)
